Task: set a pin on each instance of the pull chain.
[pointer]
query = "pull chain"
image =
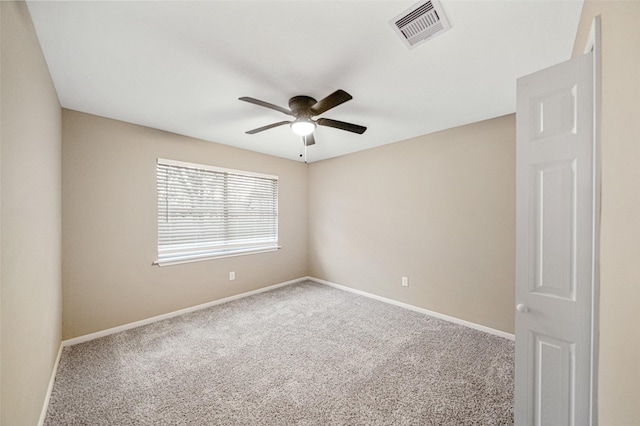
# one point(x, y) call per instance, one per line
point(305, 150)
point(303, 155)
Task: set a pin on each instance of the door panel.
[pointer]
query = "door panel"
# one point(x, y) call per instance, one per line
point(554, 395)
point(554, 113)
point(555, 184)
point(554, 216)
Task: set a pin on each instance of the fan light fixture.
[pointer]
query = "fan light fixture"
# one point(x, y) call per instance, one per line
point(303, 127)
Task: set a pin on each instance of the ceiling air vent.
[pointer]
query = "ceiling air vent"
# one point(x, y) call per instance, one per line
point(420, 22)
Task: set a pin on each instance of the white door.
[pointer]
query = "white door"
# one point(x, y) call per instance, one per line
point(555, 245)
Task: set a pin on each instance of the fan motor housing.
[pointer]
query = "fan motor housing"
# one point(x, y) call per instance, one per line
point(301, 105)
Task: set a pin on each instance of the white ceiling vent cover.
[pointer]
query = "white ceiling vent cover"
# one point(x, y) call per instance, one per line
point(420, 22)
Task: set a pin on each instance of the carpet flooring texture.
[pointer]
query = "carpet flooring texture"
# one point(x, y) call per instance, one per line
point(303, 354)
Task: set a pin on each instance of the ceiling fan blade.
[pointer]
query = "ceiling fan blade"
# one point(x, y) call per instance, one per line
point(309, 140)
point(266, 105)
point(267, 127)
point(333, 100)
point(341, 125)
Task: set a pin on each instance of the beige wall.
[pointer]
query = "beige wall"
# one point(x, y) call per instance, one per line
point(439, 209)
point(31, 221)
point(110, 226)
point(619, 355)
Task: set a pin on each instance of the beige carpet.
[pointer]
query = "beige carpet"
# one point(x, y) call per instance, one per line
point(304, 354)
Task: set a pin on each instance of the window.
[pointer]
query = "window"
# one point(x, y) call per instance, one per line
point(206, 212)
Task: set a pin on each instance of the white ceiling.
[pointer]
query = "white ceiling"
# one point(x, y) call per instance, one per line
point(181, 66)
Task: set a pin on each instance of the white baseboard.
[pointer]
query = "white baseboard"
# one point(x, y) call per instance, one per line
point(52, 379)
point(454, 320)
point(98, 334)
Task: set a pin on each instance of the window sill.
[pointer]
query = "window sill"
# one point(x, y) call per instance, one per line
point(178, 260)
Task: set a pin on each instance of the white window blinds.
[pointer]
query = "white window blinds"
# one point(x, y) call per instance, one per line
point(206, 212)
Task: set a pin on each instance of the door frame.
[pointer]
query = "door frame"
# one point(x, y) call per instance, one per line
point(594, 44)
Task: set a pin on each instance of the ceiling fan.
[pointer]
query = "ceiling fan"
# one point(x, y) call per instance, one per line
point(303, 109)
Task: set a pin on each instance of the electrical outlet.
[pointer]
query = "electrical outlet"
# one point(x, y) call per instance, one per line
point(405, 281)
point(232, 276)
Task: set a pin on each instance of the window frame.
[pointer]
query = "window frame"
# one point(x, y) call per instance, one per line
point(197, 250)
